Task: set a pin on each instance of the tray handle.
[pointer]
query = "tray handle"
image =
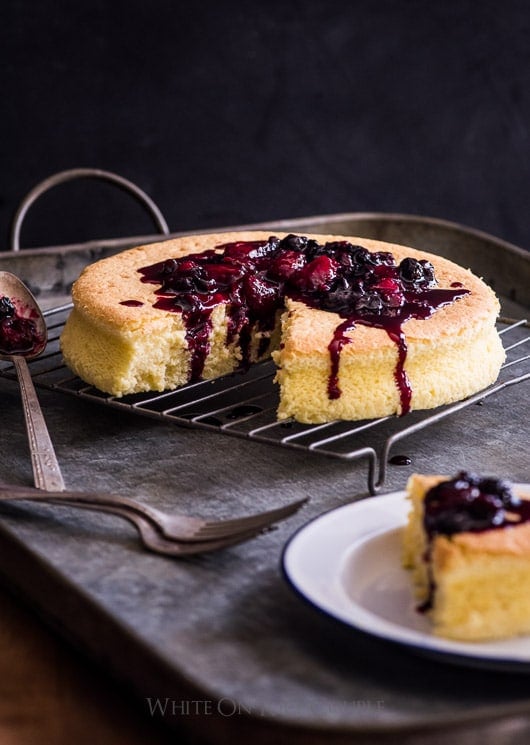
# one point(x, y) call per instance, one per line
point(76, 173)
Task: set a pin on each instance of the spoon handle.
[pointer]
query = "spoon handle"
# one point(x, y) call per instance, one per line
point(46, 471)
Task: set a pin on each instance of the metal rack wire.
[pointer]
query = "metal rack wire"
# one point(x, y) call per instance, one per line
point(244, 404)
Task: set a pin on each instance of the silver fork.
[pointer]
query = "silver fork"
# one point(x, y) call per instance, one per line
point(173, 527)
point(151, 538)
point(155, 541)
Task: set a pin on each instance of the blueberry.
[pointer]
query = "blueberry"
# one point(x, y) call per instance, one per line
point(486, 507)
point(360, 255)
point(468, 477)
point(335, 247)
point(416, 273)
point(381, 258)
point(500, 488)
point(7, 309)
point(294, 242)
point(428, 272)
point(410, 270)
point(369, 301)
point(273, 244)
point(341, 296)
point(169, 267)
point(313, 250)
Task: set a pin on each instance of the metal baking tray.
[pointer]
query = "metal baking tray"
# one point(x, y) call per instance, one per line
point(224, 630)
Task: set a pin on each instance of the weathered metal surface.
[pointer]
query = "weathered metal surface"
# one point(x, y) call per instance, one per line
point(224, 629)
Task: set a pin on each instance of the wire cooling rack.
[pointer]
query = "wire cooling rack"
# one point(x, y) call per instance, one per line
point(244, 404)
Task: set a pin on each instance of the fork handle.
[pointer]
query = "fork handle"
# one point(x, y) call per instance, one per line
point(46, 471)
point(12, 493)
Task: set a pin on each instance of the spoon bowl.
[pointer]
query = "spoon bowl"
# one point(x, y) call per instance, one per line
point(23, 329)
point(23, 336)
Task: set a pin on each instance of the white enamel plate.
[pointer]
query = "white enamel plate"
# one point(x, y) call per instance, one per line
point(347, 563)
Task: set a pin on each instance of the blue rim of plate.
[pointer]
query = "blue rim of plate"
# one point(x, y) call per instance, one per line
point(333, 601)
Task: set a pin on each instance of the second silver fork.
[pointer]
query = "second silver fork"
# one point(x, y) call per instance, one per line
point(174, 527)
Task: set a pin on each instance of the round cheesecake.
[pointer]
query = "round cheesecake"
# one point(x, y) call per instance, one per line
point(357, 328)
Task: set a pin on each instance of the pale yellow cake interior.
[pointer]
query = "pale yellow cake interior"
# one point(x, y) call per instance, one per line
point(441, 369)
point(481, 580)
point(121, 349)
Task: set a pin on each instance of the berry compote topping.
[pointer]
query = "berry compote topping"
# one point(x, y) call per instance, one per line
point(469, 503)
point(18, 334)
point(472, 504)
point(253, 278)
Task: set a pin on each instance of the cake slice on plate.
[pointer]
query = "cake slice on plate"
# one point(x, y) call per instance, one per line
point(467, 542)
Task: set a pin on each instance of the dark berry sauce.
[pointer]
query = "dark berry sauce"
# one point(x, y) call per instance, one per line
point(18, 333)
point(473, 504)
point(400, 460)
point(335, 347)
point(253, 278)
point(132, 303)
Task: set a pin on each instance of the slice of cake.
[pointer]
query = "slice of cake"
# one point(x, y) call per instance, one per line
point(358, 328)
point(467, 542)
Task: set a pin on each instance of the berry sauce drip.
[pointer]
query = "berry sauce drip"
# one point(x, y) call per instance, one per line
point(470, 503)
point(18, 334)
point(400, 460)
point(132, 303)
point(253, 278)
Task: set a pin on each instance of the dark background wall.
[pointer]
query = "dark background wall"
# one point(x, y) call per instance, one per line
point(234, 112)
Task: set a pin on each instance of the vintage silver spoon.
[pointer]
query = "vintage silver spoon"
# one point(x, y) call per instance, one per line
point(23, 337)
